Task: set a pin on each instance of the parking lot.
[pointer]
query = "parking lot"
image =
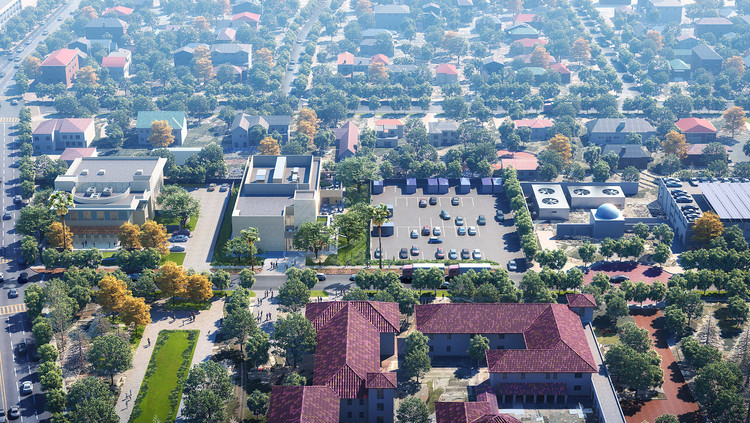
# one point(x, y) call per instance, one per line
point(496, 241)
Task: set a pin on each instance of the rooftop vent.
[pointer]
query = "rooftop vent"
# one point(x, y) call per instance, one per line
point(610, 191)
point(90, 190)
point(295, 177)
point(546, 191)
point(139, 172)
point(581, 191)
point(107, 191)
point(85, 172)
point(95, 195)
point(101, 172)
point(550, 201)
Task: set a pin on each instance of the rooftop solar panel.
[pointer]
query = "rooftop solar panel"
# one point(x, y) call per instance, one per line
point(729, 200)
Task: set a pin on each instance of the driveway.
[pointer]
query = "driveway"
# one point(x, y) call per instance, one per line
point(679, 401)
point(200, 247)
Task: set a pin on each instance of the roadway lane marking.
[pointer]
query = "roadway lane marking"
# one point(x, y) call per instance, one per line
point(12, 309)
point(8, 120)
point(2, 382)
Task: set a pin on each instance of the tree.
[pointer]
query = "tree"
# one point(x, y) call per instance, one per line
point(171, 279)
point(561, 144)
point(239, 248)
point(738, 309)
point(707, 227)
point(269, 147)
point(417, 361)
point(198, 288)
point(478, 345)
point(129, 236)
point(734, 119)
point(293, 295)
point(47, 353)
point(161, 134)
point(178, 204)
point(257, 403)
point(554, 259)
point(675, 144)
point(239, 325)
point(581, 49)
point(257, 348)
point(294, 335)
point(455, 44)
point(154, 235)
point(61, 202)
point(601, 171)
point(312, 236)
point(251, 236)
point(634, 369)
point(379, 215)
point(220, 279)
point(29, 249)
point(539, 57)
point(635, 337)
point(90, 400)
point(676, 320)
point(41, 330)
point(586, 252)
point(135, 311)
point(247, 278)
point(202, 67)
point(294, 379)
point(535, 290)
point(716, 388)
point(352, 225)
point(50, 375)
point(57, 238)
point(617, 305)
point(208, 376)
point(109, 355)
point(112, 293)
point(412, 410)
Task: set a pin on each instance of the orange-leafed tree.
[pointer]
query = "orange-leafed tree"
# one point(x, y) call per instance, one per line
point(129, 236)
point(656, 37)
point(736, 65)
point(154, 235)
point(56, 238)
point(89, 12)
point(87, 75)
point(269, 147)
point(307, 122)
point(561, 144)
point(675, 143)
point(32, 66)
point(707, 227)
point(112, 294)
point(135, 311)
point(171, 279)
point(540, 57)
point(581, 49)
point(198, 288)
point(161, 134)
point(264, 55)
point(200, 23)
point(377, 72)
point(734, 119)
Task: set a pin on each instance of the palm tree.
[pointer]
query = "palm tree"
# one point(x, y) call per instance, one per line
point(251, 236)
point(379, 215)
point(61, 202)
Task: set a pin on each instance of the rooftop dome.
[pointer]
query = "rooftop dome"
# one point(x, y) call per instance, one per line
point(607, 211)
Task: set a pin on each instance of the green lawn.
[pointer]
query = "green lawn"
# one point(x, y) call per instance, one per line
point(318, 293)
point(191, 223)
point(161, 390)
point(177, 258)
point(350, 254)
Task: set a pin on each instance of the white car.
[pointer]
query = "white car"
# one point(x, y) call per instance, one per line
point(477, 255)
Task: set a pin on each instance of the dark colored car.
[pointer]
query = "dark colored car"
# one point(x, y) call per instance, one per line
point(426, 230)
point(183, 231)
point(499, 216)
point(320, 276)
point(465, 253)
point(440, 253)
point(455, 201)
point(422, 203)
point(14, 412)
point(23, 277)
point(415, 250)
point(481, 220)
point(619, 278)
point(21, 348)
point(433, 201)
point(403, 254)
point(377, 253)
point(435, 240)
point(7, 216)
point(13, 293)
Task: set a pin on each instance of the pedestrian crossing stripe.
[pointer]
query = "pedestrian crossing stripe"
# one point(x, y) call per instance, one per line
point(8, 120)
point(12, 309)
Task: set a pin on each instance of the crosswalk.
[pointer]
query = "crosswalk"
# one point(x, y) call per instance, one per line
point(8, 120)
point(12, 309)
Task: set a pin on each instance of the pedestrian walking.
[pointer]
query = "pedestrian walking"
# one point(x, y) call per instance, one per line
point(149, 341)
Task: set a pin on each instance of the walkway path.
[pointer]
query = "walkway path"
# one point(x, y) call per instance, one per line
point(679, 401)
point(206, 321)
point(199, 249)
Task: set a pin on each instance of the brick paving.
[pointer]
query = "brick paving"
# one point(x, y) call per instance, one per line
point(679, 401)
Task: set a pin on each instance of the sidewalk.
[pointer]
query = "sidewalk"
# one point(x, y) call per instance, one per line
point(206, 321)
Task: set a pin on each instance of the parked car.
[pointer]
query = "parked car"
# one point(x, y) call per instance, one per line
point(455, 201)
point(183, 231)
point(465, 254)
point(17, 199)
point(3, 419)
point(499, 216)
point(619, 278)
point(2, 278)
point(445, 215)
point(414, 234)
point(452, 254)
point(14, 412)
point(176, 249)
point(224, 187)
point(178, 238)
point(23, 277)
point(459, 221)
point(512, 266)
point(320, 276)
point(425, 230)
point(415, 250)
point(403, 254)
point(13, 293)
point(7, 215)
point(433, 201)
point(440, 253)
point(461, 230)
point(476, 254)
point(472, 230)
point(435, 240)
point(481, 220)
point(683, 200)
point(26, 388)
point(376, 254)
point(436, 230)
point(14, 102)
point(21, 348)
point(422, 203)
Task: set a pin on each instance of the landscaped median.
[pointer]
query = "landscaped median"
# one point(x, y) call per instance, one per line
point(161, 390)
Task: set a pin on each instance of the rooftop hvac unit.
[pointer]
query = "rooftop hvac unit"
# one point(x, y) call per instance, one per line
point(107, 191)
point(95, 195)
point(295, 177)
point(139, 172)
point(546, 191)
point(90, 190)
point(260, 176)
point(610, 191)
point(550, 201)
point(85, 172)
point(101, 172)
point(581, 191)
point(295, 171)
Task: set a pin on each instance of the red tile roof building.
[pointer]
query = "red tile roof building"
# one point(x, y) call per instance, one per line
point(59, 134)
point(697, 130)
point(251, 19)
point(60, 66)
point(70, 154)
point(380, 58)
point(303, 404)
point(446, 73)
point(537, 348)
point(583, 305)
point(118, 11)
point(348, 140)
point(352, 336)
point(483, 410)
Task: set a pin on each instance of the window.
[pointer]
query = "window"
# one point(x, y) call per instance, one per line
point(380, 406)
point(554, 375)
point(449, 336)
point(578, 375)
point(546, 375)
point(381, 419)
point(523, 375)
point(501, 336)
point(577, 388)
point(113, 215)
point(78, 137)
point(361, 402)
point(349, 402)
point(100, 215)
point(505, 375)
point(380, 394)
point(122, 215)
point(87, 215)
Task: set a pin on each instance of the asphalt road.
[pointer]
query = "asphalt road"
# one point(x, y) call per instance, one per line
point(16, 368)
point(289, 75)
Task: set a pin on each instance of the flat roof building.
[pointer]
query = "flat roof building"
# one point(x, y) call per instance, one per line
point(550, 202)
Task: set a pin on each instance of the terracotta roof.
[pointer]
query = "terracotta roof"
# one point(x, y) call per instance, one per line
point(246, 16)
point(382, 316)
point(531, 42)
point(121, 10)
point(70, 154)
point(525, 17)
point(696, 126)
point(60, 57)
point(382, 380)
point(553, 334)
point(447, 69)
point(484, 410)
point(382, 58)
point(226, 34)
point(560, 68)
point(303, 404)
point(581, 300)
point(345, 58)
point(348, 138)
point(394, 122)
point(348, 349)
point(67, 125)
point(534, 123)
point(113, 62)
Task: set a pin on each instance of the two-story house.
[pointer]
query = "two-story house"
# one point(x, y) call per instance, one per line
point(234, 54)
point(177, 120)
point(60, 66)
point(616, 130)
point(118, 63)
point(243, 124)
point(443, 132)
point(98, 28)
point(58, 134)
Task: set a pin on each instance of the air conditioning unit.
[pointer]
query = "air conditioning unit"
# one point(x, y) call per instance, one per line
point(139, 172)
point(90, 190)
point(95, 195)
point(107, 191)
point(101, 172)
point(85, 172)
